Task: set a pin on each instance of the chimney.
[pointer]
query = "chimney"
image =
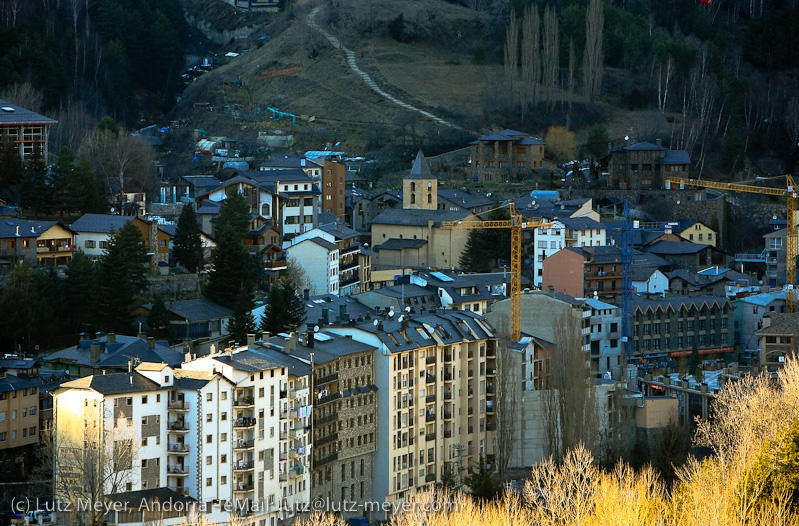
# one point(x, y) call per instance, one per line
point(150, 342)
point(306, 294)
point(287, 346)
point(84, 336)
point(142, 335)
point(310, 338)
point(130, 366)
point(250, 340)
point(342, 313)
point(405, 322)
point(187, 357)
point(380, 325)
point(766, 321)
point(659, 142)
point(111, 338)
point(94, 352)
point(325, 316)
point(228, 351)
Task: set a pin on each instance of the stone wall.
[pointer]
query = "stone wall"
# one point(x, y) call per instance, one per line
point(176, 285)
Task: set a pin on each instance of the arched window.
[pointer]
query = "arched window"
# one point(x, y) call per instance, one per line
point(413, 187)
point(429, 198)
point(413, 198)
point(265, 210)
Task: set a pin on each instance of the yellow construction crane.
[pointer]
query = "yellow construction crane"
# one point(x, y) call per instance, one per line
point(516, 223)
point(790, 245)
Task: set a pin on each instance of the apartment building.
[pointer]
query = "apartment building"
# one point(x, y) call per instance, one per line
point(749, 313)
point(344, 426)
point(262, 198)
point(778, 339)
point(564, 233)
point(163, 431)
point(25, 128)
point(673, 327)
point(320, 260)
point(353, 262)
point(435, 405)
point(269, 417)
point(605, 335)
point(505, 155)
point(42, 242)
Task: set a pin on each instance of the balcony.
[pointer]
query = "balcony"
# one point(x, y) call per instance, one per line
point(448, 376)
point(327, 379)
point(470, 391)
point(447, 434)
point(490, 409)
point(283, 477)
point(325, 460)
point(178, 449)
point(178, 471)
point(243, 465)
point(491, 372)
point(244, 423)
point(284, 394)
point(283, 456)
point(431, 378)
point(470, 355)
point(491, 426)
point(332, 397)
point(242, 487)
point(296, 471)
point(284, 435)
point(243, 402)
point(430, 436)
point(179, 427)
point(243, 445)
point(431, 417)
point(447, 396)
point(470, 429)
point(56, 248)
point(430, 477)
point(178, 405)
point(490, 389)
point(279, 264)
point(431, 360)
point(447, 356)
point(324, 420)
point(284, 414)
point(470, 411)
point(447, 414)
point(294, 433)
point(430, 398)
point(293, 454)
point(326, 440)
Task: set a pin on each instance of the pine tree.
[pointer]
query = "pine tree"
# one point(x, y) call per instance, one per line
point(12, 172)
point(233, 266)
point(17, 310)
point(284, 310)
point(37, 192)
point(83, 190)
point(473, 258)
point(79, 287)
point(481, 481)
point(121, 277)
point(62, 175)
point(242, 321)
point(159, 316)
point(187, 243)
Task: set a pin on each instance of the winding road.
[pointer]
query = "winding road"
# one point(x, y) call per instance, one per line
point(350, 55)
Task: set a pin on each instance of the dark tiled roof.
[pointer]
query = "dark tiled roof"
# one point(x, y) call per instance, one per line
point(195, 310)
point(248, 361)
point(419, 170)
point(464, 199)
point(163, 495)
point(782, 323)
point(324, 243)
point(398, 216)
point(289, 161)
point(186, 379)
point(100, 223)
point(15, 383)
point(400, 244)
point(200, 182)
point(676, 302)
point(675, 248)
point(20, 115)
point(339, 230)
point(10, 227)
point(582, 223)
point(676, 157)
point(403, 291)
point(114, 384)
point(315, 305)
point(325, 218)
point(645, 146)
point(696, 280)
point(209, 207)
point(327, 347)
point(117, 355)
point(291, 175)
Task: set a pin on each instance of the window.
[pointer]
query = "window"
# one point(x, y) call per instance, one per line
point(89, 243)
point(2, 416)
point(224, 395)
point(144, 420)
point(223, 480)
point(103, 244)
point(209, 397)
point(208, 481)
point(209, 439)
point(144, 441)
point(2, 437)
point(144, 399)
point(224, 437)
point(209, 417)
point(223, 417)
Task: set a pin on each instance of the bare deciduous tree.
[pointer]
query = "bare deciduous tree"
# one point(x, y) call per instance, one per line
point(296, 273)
point(571, 403)
point(25, 95)
point(664, 80)
point(530, 59)
point(593, 57)
point(551, 55)
point(511, 65)
point(507, 385)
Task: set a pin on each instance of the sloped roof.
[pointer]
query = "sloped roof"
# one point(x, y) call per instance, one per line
point(195, 310)
point(645, 146)
point(114, 384)
point(248, 361)
point(676, 302)
point(324, 243)
point(582, 223)
point(100, 223)
point(10, 227)
point(117, 355)
point(675, 248)
point(398, 216)
point(675, 157)
point(289, 175)
point(782, 323)
point(420, 169)
point(465, 199)
point(186, 379)
point(20, 115)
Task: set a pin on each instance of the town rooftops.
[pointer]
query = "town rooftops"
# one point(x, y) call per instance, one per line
point(289, 175)
point(15, 383)
point(397, 216)
point(464, 199)
point(333, 305)
point(289, 161)
point(340, 231)
point(419, 170)
point(403, 291)
point(327, 347)
point(764, 299)
point(696, 280)
point(151, 366)
point(324, 243)
point(12, 114)
point(675, 157)
point(248, 361)
point(194, 380)
point(677, 302)
point(640, 146)
point(100, 223)
point(195, 310)
point(117, 354)
point(581, 223)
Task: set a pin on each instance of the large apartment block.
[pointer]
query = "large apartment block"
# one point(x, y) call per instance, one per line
point(435, 405)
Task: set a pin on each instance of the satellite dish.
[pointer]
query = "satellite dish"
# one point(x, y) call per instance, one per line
point(429, 184)
point(626, 137)
point(375, 323)
point(391, 313)
point(407, 309)
point(316, 329)
point(401, 318)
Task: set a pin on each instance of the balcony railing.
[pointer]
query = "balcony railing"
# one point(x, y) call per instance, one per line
point(178, 426)
point(431, 417)
point(54, 248)
point(431, 359)
point(491, 426)
point(180, 490)
point(242, 487)
point(447, 356)
point(448, 377)
point(447, 414)
point(177, 470)
point(430, 436)
point(430, 398)
point(447, 396)
point(243, 444)
point(244, 402)
point(431, 378)
point(178, 405)
point(447, 433)
point(327, 379)
point(327, 399)
point(243, 465)
point(430, 477)
point(244, 423)
point(324, 420)
point(178, 448)
point(327, 439)
point(326, 460)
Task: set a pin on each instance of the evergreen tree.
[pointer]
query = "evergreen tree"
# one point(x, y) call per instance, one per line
point(11, 171)
point(473, 258)
point(481, 481)
point(693, 361)
point(79, 285)
point(17, 310)
point(598, 141)
point(84, 193)
point(232, 262)
point(284, 310)
point(187, 243)
point(159, 317)
point(61, 177)
point(242, 321)
point(121, 277)
point(37, 191)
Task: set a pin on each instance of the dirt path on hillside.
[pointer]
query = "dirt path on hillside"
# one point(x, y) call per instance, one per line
point(350, 55)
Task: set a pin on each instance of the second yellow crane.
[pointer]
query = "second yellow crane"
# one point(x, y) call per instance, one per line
point(791, 242)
